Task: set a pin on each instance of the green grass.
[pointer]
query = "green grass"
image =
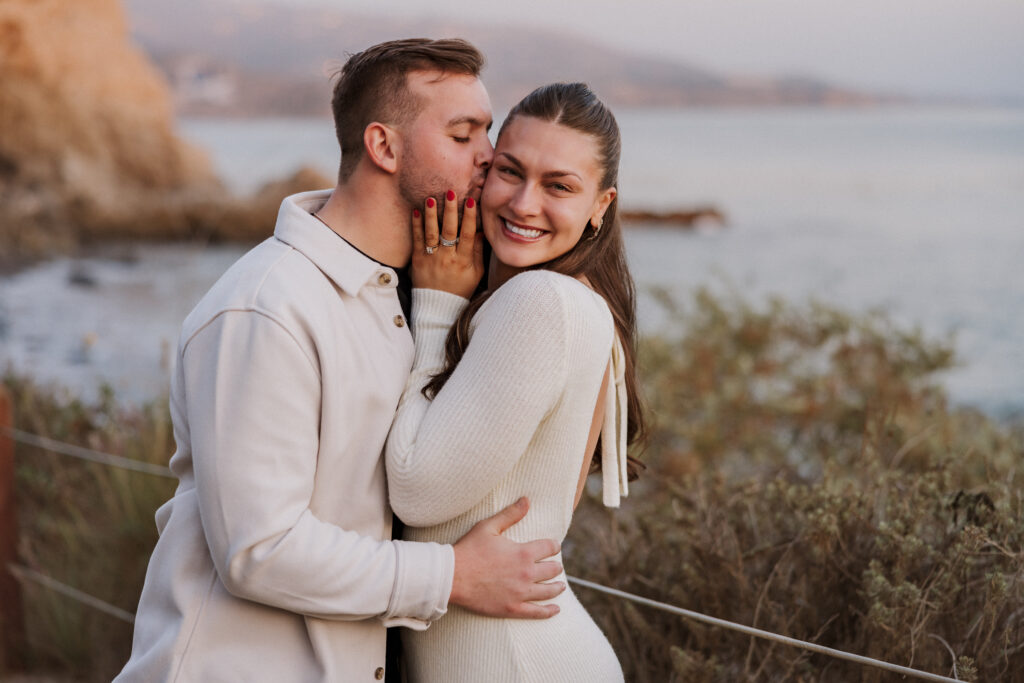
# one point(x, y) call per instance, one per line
point(806, 476)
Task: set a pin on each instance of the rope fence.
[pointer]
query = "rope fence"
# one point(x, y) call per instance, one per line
point(25, 574)
point(767, 635)
point(86, 453)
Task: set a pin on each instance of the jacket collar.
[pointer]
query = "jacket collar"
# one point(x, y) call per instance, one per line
point(296, 226)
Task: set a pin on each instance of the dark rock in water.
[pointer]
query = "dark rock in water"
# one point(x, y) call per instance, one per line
point(682, 218)
point(81, 276)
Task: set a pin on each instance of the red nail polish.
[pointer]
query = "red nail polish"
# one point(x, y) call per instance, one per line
point(415, 213)
point(470, 203)
point(430, 202)
point(451, 195)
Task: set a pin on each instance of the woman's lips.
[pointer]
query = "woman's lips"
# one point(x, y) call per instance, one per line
point(521, 231)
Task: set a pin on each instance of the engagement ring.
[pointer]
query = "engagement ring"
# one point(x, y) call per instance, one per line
point(430, 250)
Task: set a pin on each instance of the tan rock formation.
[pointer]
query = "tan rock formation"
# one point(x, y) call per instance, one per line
point(86, 126)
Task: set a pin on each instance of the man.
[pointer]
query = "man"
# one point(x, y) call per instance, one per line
point(275, 561)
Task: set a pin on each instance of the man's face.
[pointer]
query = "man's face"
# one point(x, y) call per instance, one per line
point(446, 146)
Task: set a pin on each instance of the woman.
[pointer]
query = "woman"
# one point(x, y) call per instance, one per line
point(510, 393)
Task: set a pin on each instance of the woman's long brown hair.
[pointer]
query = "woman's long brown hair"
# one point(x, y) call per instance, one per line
point(599, 256)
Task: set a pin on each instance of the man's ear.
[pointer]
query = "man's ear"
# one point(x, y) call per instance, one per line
point(382, 144)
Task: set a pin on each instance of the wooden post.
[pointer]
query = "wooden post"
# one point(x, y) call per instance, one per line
point(12, 620)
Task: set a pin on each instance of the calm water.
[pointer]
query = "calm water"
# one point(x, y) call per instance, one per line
point(917, 212)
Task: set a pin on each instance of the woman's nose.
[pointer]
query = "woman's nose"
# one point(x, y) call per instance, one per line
point(524, 201)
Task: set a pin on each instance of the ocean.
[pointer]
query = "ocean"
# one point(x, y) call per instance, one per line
point(915, 211)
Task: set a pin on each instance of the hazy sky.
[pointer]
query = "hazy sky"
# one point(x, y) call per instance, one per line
point(966, 47)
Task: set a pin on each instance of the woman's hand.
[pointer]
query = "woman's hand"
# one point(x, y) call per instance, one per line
point(454, 265)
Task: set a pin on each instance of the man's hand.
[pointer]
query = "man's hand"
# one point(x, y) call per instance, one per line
point(497, 577)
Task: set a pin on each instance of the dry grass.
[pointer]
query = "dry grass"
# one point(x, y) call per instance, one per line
point(806, 477)
point(86, 525)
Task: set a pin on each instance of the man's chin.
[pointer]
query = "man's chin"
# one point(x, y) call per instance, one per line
point(476, 187)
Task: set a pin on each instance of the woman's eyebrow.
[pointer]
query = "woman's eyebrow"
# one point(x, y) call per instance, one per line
point(512, 159)
point(562, 174)
point(547, 174)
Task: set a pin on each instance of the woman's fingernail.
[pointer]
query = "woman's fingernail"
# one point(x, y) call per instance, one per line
point(430, 202)
point(470, 203)
point(451, 195)
point(415, 213)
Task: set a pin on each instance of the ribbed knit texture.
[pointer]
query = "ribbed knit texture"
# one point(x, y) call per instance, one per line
point(512, 420)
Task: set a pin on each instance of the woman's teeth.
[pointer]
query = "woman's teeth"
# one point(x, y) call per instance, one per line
point(522, 232)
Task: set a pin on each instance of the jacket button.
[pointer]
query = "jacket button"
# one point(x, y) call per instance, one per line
point(379, 673)
point(384, 278)
point(399, 321)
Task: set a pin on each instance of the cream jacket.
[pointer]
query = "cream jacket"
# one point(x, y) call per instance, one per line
point(274, 561)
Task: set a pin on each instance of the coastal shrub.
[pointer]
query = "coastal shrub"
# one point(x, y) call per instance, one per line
point(84, 524)
point(806, 476)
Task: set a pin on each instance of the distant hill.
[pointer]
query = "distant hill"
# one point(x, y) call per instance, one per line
point(236, 57)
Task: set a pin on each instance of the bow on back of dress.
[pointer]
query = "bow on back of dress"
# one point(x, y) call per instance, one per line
point(613, 431)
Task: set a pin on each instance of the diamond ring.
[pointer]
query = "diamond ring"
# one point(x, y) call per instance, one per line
point(430, 250)
point(449, 243)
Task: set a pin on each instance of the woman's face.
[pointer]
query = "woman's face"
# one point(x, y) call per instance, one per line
point(541, 193)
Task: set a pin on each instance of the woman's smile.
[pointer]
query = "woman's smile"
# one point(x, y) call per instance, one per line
point(521, 232)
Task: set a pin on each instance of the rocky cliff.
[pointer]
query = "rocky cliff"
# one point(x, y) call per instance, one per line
point(87, 141)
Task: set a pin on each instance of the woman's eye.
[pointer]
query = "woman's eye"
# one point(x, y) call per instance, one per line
point(460, 140)
point(508, 170)
point(561, 188)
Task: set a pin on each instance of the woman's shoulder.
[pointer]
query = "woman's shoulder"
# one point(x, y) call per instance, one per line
point(541, 280)
point(537, 278)
point(556, 294)
point(547, 284)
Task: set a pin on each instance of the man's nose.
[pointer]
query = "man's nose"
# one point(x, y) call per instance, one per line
point(485, 155)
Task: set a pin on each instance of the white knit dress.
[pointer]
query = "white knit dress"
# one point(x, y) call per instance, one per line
point(512, 420)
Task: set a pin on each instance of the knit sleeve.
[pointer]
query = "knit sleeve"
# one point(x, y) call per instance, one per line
point(445, 455)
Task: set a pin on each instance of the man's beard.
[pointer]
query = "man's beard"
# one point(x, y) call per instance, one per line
point(416, 187)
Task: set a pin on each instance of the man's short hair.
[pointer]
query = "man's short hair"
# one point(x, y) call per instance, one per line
point(372, 86)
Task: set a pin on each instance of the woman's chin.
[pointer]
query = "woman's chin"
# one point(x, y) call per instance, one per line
point(518, 261)
point(513, 253)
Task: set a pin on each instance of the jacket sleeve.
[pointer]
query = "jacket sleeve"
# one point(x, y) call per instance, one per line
point(443, 456)
point(253, 408)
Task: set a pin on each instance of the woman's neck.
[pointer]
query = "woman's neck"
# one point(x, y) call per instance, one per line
point(499, 273)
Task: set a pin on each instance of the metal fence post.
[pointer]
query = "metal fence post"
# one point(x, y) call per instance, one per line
point(12, 619)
